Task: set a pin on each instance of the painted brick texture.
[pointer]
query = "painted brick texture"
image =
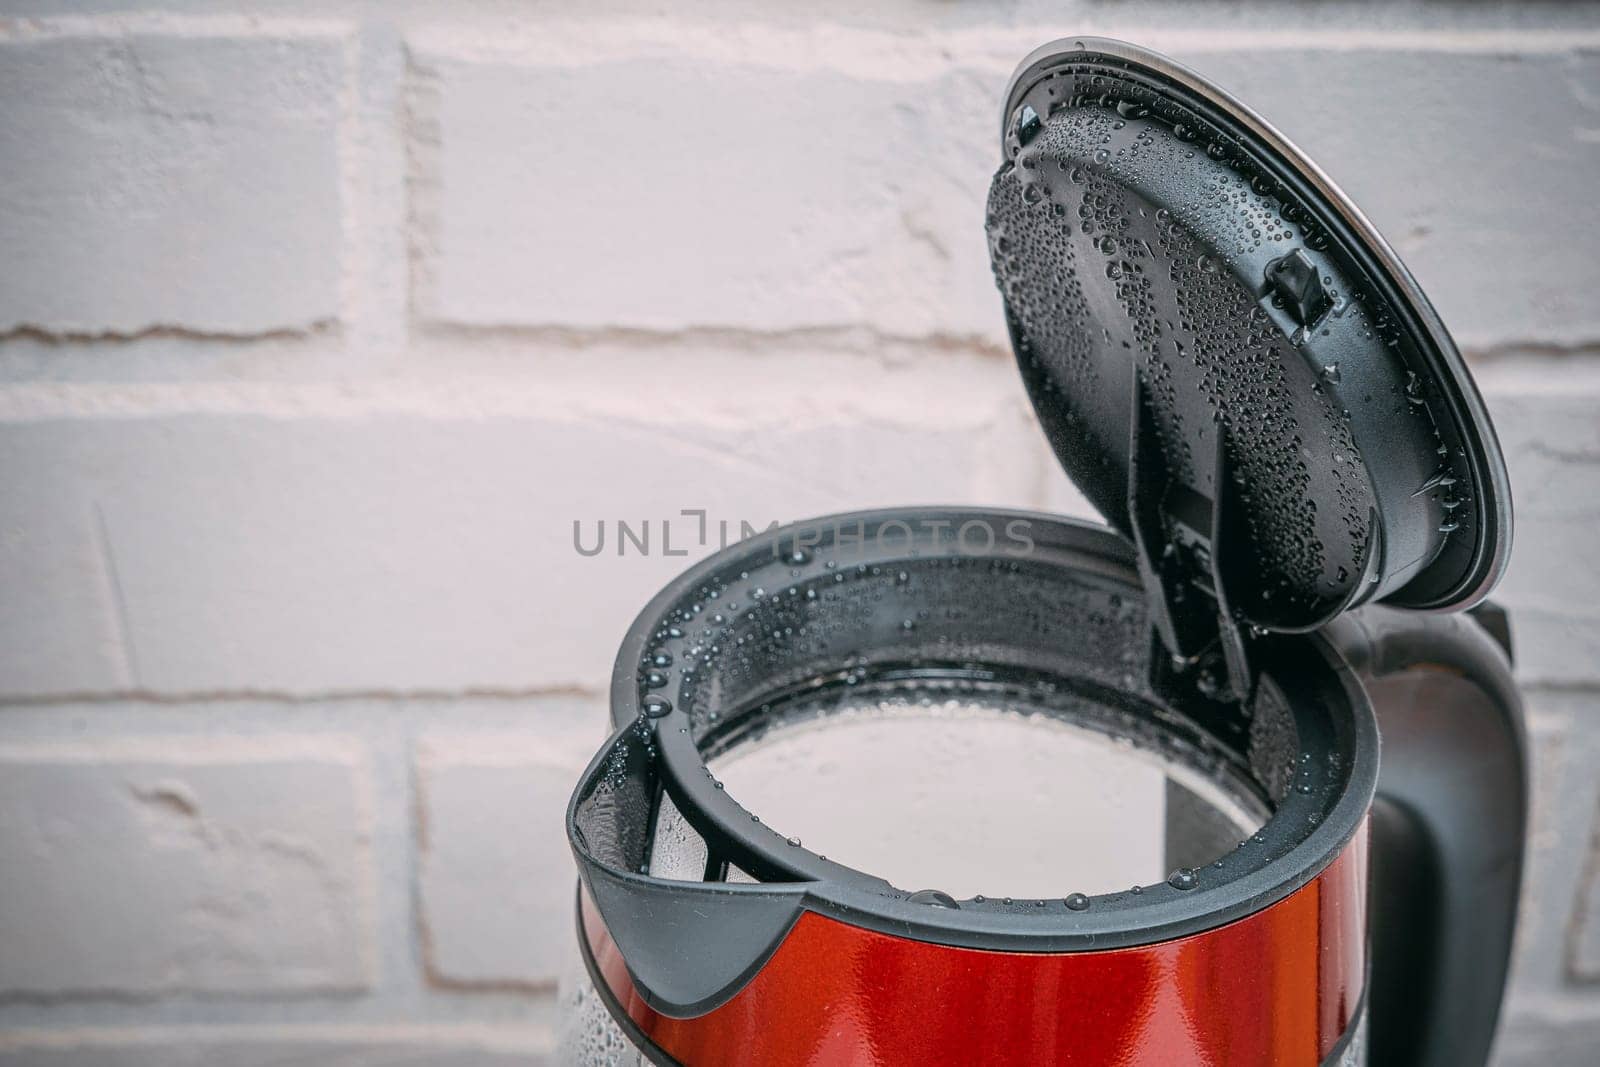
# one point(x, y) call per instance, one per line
point(170, 180)
point(321, 326)
point(220, 868)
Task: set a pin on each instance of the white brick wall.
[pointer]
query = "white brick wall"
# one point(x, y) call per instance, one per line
point(321, 323)
point(176, 176)
point(490, 814)
point(200, 867)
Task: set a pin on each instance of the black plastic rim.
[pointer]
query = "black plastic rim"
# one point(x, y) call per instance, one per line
point(1296, 844)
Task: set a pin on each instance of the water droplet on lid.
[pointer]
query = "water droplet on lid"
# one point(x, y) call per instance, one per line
point(933, 898)
point(1077, 902)
point(656, 707)
point(1183, 878)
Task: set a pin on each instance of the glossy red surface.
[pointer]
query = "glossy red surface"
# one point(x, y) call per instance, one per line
point(1274, 989)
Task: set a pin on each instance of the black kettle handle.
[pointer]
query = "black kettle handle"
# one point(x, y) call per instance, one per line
point(1448, 828)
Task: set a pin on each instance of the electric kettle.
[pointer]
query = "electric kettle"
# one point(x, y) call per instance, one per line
point(1306, 508)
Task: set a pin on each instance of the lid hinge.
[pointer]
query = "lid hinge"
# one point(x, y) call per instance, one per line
point(1182, 537)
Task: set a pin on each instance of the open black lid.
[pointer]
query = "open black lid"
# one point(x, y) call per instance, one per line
point(1301, 435)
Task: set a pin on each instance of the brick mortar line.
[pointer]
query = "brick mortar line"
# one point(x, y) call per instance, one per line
point(354, 268)
point(23, 28)
point(1574, 1003)
point(64, 338)
point(587, 392)
point(861, 337)
point(854, 338)
point(1580, 916)
point(959, 392)
point(470, 36)
point(1555, 687)
point(490, 1036)
point(890, 55)
point(1502, 351)
point(420, 134)
point(207, 698)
